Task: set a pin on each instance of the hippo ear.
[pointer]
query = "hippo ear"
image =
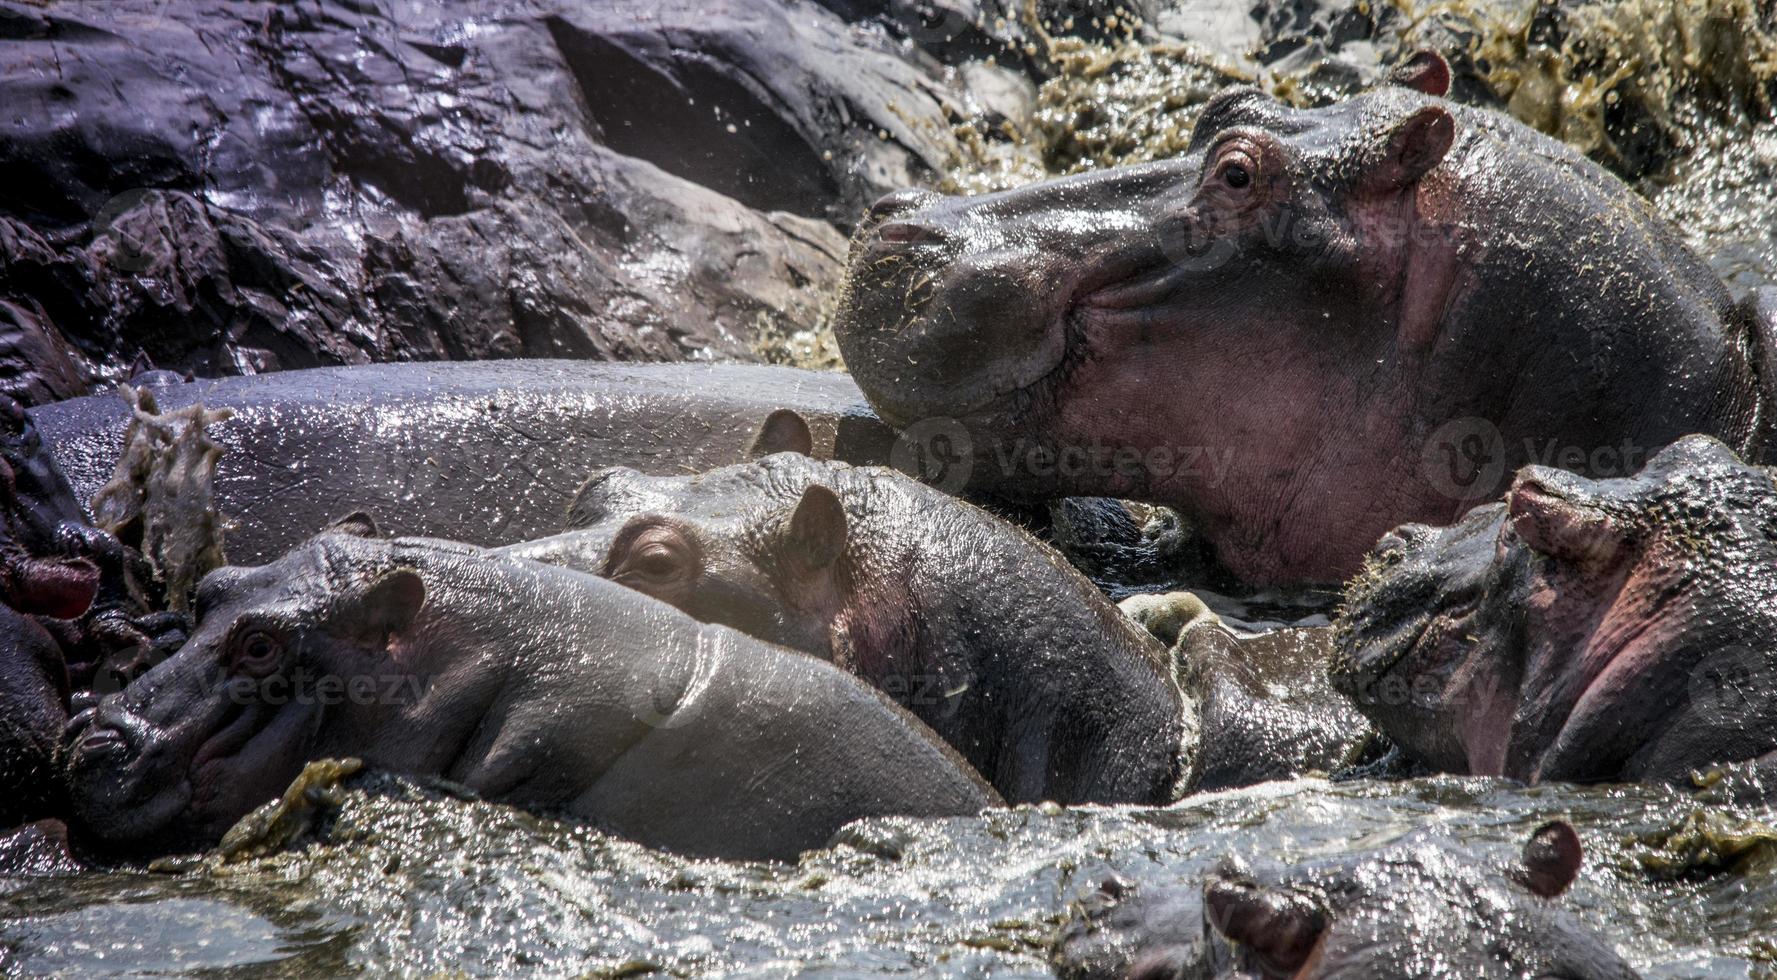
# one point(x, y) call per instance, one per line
point(358, 524)
point(1426, 72)
point(784, 431)
point(1552, 859)
point(386, 608)
point(1413, 147)
point(1562, 527)
point(591, 502)
point(817, 529)
point(1281, 929)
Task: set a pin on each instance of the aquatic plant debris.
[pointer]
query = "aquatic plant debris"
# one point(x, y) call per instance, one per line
point(161, 498)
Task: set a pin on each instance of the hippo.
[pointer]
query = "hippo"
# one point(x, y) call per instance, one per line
point(1311, 326)
point(1264, 708)
point(1420, 907)
point(91, 592)
point(527, 684)
point(33, 709)
point(485, 452)
point(986, 634)
point(1581, 630)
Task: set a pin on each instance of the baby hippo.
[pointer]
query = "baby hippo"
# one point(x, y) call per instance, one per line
point(1583, 629)
point(1420, 907)
point(987, 635)
point(533, 685)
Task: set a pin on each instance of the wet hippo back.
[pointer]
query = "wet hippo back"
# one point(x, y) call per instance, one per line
point(486, 452)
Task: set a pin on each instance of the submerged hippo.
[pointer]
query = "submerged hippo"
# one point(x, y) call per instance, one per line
point(1312, 326)
point(528, 684)
point(487, 452)
point(1581, 630)
point(1420, 907)
point(983, 632)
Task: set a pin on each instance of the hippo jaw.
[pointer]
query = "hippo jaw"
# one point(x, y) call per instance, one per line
point(1415, 641)
point(226, 723)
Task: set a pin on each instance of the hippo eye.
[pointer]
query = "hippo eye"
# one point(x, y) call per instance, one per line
point(256, 653)
point(657, 555)
point(1237, 166)
point(654, 560)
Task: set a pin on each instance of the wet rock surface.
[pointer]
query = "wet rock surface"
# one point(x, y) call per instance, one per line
point(238, 186)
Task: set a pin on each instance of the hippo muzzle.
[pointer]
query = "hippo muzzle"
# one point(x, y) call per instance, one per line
point(128, 779)
point(953, 304)
point(1582, 630)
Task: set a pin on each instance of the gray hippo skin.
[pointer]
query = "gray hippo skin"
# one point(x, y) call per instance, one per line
point(33, 709)
point(1312, 326)
point(528, 684)
point(1582, 630)
point(1420, 907)
point(488, 453)
point(983, 632)
point(1265, 710)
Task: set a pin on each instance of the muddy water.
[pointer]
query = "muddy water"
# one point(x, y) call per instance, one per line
point(408, 877)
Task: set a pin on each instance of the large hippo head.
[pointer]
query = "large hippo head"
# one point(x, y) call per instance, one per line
point(188, 748)
point(1581, 630)
point(1420, 907)
point(1313, 325)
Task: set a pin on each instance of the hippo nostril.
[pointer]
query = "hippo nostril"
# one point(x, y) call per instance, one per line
point(907, 233)
point(896, 203)
point(1397, 542)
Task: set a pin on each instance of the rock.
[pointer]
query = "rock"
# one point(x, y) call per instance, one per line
point(240, 186)
point(776, 104)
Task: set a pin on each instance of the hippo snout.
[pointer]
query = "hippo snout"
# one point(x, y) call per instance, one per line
point(894, 204)
point(104, 729)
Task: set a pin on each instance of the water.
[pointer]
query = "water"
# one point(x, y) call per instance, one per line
point(411, 878)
